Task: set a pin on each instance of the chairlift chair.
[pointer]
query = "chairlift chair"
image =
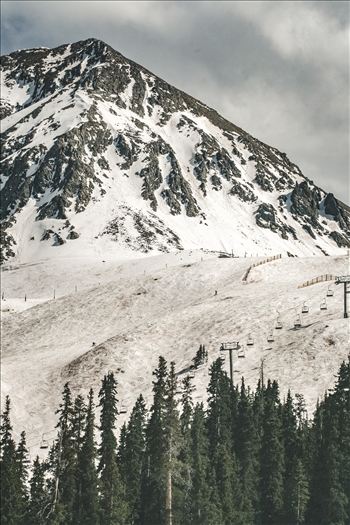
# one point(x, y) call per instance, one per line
point(123, 409)
point(191, 375)
point(270, 338)
point(279, 325)
point(44, 444)
point(330, 292)
point(240, 354)
point(323, 305)
point(250, 341)
point(305, 309)
point(297, 322)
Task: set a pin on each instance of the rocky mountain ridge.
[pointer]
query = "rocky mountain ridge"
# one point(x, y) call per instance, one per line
point(101, 156)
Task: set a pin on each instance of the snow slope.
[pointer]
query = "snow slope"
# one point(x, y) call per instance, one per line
point(136, 310)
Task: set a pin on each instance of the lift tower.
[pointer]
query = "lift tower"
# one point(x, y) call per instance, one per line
point(344, 279)
point(230, 347)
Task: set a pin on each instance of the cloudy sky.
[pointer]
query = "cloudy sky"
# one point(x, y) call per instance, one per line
point(280, 70)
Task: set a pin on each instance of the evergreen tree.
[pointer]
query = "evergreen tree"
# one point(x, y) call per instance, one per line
point(272, 460)
point(86, 506)
point(11, 484)
point(132, 458)
point(22, 461)
point(289, 435)
point(184, 479)
point(221, 442)
point(174, 495)
point(38, 501)
point(63, 464)
point(201, 357)
point(113, 507)
point(205, 503)
point(248, 454)
point(154, 477)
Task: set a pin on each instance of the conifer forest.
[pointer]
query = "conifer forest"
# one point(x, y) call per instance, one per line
point(243, 458)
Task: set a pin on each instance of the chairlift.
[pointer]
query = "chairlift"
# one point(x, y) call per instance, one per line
point(279, 324)
point(330, 292)
point(250, 341)
point(44, 444)
point(297, 322)
point(305, 309)
point(323, 305)
point(191, 375)
point(240, 354)
point(123, 409)
point(270, 338)
point(27, 460)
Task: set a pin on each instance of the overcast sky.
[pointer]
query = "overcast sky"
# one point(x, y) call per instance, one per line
point(280, 70)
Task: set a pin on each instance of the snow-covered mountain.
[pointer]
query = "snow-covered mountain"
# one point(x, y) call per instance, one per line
point(101, 157)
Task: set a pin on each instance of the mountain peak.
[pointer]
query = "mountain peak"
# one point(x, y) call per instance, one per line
point(99, 151)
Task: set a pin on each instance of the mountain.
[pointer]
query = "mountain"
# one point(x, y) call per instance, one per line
point(101, 158)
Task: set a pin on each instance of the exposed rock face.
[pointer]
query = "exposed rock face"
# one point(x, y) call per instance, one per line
point(305, 202)
point(86, 129)
point(266, 218)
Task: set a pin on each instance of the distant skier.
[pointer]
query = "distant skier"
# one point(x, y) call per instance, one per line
point(216, 292)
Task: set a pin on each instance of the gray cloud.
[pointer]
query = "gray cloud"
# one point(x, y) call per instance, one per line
point(277, 69)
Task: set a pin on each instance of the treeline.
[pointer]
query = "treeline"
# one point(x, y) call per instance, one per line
point(245, 458)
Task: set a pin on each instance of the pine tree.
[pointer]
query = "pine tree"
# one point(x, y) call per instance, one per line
point(184, 478)
point(205, 508)
point(11, 483)
point(248, 454)
point(38, 501)
point(132, 457)
point(154, 477)
point(113, 506)
point(22, 461)
point(220, 423)
point(201, 357)
point(342, 397)
point(63, 464)
point(272, 460)
point(299, 494)
point(86, 506)
point(174, 496)
point(289, 435)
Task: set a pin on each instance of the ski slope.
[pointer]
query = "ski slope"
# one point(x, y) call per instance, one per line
point(136, 310)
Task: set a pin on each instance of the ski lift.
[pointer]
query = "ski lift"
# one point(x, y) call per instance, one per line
point(330, 292)
point(123, 409)
point(241, 354)
point(44, 444)
point(305, 309)
point(270, 338)
point(297, 322)
point(323, 305)
point(191, 375)
point(27, 460)
point(250, 341)
point(279, 324)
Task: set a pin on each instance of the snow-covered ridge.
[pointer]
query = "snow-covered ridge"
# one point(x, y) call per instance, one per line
point(88, 134)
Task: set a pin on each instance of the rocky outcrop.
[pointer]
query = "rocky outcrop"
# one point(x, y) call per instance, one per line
point(266, 217)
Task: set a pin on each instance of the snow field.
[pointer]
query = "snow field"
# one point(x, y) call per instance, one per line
point(136, 310)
